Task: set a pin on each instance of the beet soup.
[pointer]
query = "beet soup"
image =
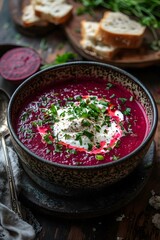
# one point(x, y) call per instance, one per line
point(82, 123)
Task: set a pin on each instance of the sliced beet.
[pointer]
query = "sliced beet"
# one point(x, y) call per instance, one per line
point(19, 63)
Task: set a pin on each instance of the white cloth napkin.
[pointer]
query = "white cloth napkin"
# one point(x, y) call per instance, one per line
point(11, 225)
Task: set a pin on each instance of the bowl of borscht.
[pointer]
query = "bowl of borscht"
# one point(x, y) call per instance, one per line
point(81, 125)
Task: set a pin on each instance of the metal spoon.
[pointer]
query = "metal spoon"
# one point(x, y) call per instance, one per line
point(4, 99)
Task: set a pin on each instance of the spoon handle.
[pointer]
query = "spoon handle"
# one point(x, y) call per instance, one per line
point(12, 187)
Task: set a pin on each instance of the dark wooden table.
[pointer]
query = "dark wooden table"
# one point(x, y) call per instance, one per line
point(137, 222)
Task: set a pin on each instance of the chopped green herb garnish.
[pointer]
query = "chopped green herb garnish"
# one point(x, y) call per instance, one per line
point(99, 157)
point(67, 136)
point(79, 137)
point(98, 128)
point(58, 148)
point(109, 85)
point(127, 111)
point(117, 143)
point(123, 100)
point(66, 57)
point(90, 146)
point(25, 116)
point(131, 99)
point(78, 98)
point(94, 107)
point(71, 151)
point(86, 123)
point(112, 96)
point(88, 134)
point(70, 98)
point(105, 103)
point(115, 157)
point(53, 109)
point(47, 139)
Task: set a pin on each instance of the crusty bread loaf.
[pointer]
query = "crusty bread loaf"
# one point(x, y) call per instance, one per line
point(119, 30)
point(30, 19)
point(54, 13)
point(91, 44)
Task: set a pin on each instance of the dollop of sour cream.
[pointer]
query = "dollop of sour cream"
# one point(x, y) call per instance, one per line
point(88, 124)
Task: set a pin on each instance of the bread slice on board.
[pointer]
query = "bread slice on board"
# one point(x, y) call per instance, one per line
point(30, 19)
point(56, 13)
point(120, 30)
point(90, 43)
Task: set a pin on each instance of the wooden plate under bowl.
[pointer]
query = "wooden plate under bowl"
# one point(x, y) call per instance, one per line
point(141, 57)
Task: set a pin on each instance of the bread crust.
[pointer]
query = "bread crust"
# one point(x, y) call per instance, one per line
point(120, 38)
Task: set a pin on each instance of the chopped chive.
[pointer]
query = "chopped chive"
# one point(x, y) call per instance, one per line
point(109, 85)
point(86, 123)
point(131, 99)
point(71, 151)
point(47, 139)
point(123, 100)
point(25, 116)
point(112, 96)
point(67, 136)
point(88, 134)
point(90, 146)
point(115, 157)
point(99, 157)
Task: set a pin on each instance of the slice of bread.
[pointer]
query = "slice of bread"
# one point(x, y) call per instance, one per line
point(30, 19)
point(102, 51)
point(88, 29)
point(119, 30)
point(90, 43)
point(56, 13)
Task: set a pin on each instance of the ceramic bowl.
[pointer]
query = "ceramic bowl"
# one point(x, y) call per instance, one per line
point(80, 177)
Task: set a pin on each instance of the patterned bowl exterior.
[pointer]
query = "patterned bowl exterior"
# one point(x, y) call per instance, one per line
point(81, 177)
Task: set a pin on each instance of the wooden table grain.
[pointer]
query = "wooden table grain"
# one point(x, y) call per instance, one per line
point(136, 222)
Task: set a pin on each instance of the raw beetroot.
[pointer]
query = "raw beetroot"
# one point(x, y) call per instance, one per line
point(19, 63)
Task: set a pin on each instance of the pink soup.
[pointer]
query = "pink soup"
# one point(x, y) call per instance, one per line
point(82, 123)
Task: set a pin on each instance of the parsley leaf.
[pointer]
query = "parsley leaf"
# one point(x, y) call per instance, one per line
point(127, 111)
point(63, 58)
